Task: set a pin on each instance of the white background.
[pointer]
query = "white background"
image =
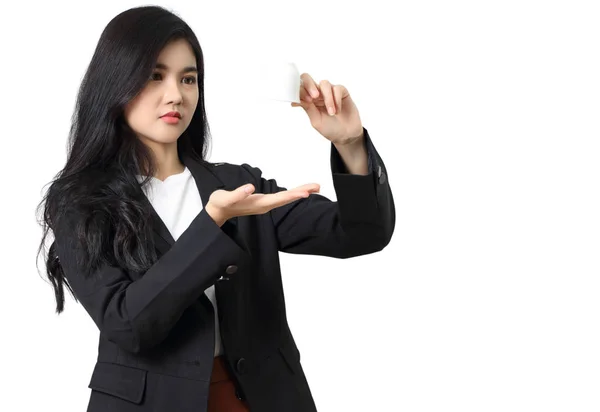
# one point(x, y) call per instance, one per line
point(486, 115)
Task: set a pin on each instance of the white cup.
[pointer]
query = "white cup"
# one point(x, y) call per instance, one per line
point(281, 81)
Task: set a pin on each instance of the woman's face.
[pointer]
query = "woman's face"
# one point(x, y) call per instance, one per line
point(173, 86)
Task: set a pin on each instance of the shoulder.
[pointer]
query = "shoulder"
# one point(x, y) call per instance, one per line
point(239, 172)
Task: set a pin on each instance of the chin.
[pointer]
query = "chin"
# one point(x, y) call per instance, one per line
point(166, 140)
point(162, 139)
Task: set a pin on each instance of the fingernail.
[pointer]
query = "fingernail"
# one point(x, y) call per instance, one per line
point(330, 110)
point(248, 189)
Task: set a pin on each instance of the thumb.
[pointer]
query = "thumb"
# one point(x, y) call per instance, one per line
point(242, 192)
point(310, 108)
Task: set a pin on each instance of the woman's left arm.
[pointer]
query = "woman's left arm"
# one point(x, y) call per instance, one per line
point(363, 218)
point(360, 222)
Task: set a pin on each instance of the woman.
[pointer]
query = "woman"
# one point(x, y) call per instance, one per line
point(176, 258)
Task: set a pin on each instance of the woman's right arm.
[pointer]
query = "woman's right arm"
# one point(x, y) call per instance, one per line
point(137, 315)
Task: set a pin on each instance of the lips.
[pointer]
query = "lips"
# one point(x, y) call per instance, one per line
point(172, 114)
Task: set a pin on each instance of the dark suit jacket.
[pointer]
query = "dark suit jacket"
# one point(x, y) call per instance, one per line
point(156, 343)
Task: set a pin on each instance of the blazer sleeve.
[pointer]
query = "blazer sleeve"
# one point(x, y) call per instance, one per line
point(137, 315)
point(360, 222)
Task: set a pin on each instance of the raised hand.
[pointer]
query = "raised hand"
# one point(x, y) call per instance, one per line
point(331, 110)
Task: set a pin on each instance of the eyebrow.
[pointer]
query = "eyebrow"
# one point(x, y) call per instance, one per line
point(184, 70)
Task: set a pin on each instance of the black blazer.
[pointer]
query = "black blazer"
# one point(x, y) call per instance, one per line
point(156, 343)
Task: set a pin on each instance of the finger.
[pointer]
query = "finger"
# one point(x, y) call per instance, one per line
point(291, 195)
point(338, 95)
point(241, 193)
point(304, 95)
point(305, 100)
point(311, 108)
point(310, 85)
point(309, 187)
point(273, 200)
point(303, 103)
point(327, 91)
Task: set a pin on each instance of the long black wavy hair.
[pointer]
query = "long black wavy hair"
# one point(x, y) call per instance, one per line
point(98, 181)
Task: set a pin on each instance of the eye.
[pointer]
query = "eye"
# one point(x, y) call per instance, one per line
point(189, 79)
point(192, 79)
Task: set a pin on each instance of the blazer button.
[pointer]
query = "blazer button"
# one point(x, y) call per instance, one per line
point(241, 365)
point(231, 269)
point(237, 395)
point(222, 278)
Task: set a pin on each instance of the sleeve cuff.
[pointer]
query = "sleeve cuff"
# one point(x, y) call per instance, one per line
point(356, 194)
point(337, 163)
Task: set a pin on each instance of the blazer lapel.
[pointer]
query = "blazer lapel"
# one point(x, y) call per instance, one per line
point(206, 182)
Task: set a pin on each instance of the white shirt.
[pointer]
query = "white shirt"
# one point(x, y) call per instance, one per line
point(177, 202)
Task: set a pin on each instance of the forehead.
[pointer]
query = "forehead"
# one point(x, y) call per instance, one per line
point(178, 52)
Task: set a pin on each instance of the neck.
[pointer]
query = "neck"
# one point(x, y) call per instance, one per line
point(167, 159)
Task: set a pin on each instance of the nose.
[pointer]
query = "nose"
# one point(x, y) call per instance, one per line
point(172, 92)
